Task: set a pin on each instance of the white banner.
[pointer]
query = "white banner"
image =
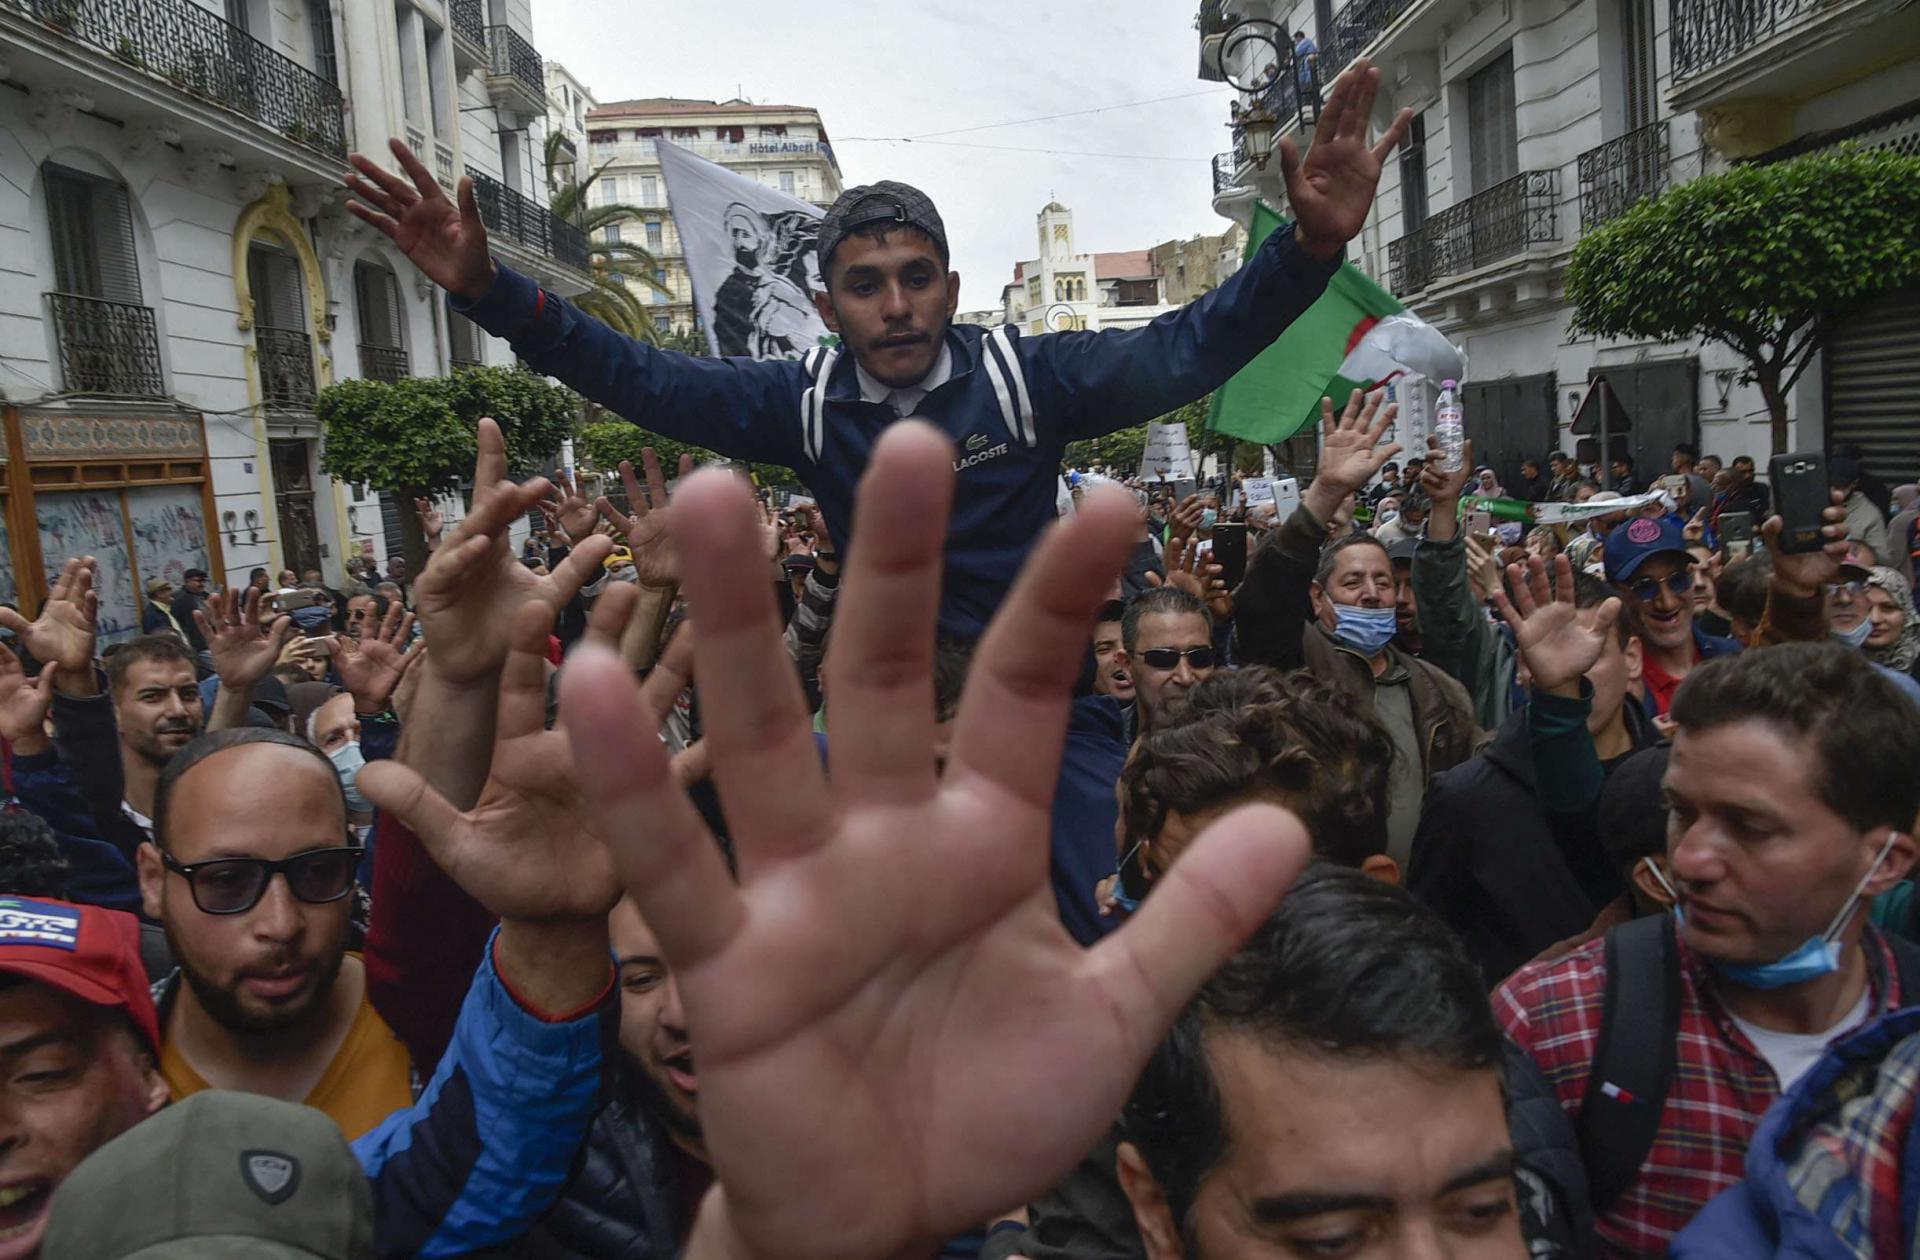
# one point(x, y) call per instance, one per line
point(1168, 457)
point(1259, 490)
point(750, 255)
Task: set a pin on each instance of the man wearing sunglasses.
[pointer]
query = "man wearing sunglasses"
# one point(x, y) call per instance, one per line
point(1648, 564)
point(1168, 635)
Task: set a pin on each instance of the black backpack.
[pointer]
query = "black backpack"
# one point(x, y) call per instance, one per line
point(1634, 1059)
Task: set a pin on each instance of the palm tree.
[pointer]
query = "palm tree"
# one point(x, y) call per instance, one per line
point(612, 299)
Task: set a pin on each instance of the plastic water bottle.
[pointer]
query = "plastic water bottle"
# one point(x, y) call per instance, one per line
point(1449, 426)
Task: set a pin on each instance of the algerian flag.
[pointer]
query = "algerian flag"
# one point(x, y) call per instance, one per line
point(1355, 337)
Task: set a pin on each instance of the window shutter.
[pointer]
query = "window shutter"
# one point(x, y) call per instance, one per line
point(91, 223)
point(274, 278)
point(1496, 142)
point(378, 296)
point(1413, 175)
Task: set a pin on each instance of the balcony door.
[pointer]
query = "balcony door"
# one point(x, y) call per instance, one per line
point(376, 292)
point(280, 326)
point(293, 496)
point(105, 331)
point(1638, 87)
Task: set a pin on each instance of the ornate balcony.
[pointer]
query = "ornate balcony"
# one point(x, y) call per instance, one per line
point(1708, 32)
point(1293, 98)
point(383, 363)
point(515, 79)
point(106, 347)
point(528, 223)
point(469, 24)
point(184, 44)
point(1355, 27)
point(1615, 175)
point(286, 366)
point(1498, 223)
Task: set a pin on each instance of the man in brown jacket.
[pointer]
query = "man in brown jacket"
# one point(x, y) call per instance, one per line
point(1327, 605)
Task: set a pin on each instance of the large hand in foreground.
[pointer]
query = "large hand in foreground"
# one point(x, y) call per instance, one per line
point(473, 588)
point(1557, 641)
point(448, 243)
point(1332, 187)
point(879, 1069)
point(62, 637)
point(1350, 451)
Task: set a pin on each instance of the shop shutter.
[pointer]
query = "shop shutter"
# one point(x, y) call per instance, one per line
point(1873, 385)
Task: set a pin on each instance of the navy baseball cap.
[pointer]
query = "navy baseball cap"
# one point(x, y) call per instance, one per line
point(887, 201)
point(1629, 545)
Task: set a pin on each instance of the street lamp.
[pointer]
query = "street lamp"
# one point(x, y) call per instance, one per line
point(1255, 126)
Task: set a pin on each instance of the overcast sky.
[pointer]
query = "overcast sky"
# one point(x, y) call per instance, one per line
point(909, 67)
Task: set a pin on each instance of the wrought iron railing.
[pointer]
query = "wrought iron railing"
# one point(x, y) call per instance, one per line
point(383, 363)
point(1224, 167)
point(184, 44)
point(1615, 175)
point(1708, 32)
point(1355, 27)
point(1486, 227)
point(106, 347)
point(286, 366)
point(510, 54)
point(515, 216)
point(468, 20)
point(1294, 94)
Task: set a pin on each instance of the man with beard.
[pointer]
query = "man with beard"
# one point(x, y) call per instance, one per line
point(760, 311)
point(1168, 639)
point(272, 1003)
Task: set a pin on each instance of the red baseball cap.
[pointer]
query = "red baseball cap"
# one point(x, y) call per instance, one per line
point(88, 951)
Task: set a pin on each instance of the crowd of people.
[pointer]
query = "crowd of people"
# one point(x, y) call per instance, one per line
point(917, 869)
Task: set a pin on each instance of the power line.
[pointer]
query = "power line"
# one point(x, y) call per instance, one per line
point(1021, 122)
point(1006, 148)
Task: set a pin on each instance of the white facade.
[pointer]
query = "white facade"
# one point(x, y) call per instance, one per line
point(182, 275)
point(1538, 120)
point(782, 146)
point(1065, 288)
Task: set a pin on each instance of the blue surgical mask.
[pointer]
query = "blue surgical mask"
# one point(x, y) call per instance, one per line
point(347, 761)
point(1207, 517)
point(1817, 956)
point(1365, 630)
point(1121, 896)
point(1855, 637)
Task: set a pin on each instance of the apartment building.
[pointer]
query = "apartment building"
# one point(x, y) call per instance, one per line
point(183, 276)
point(1538, 120)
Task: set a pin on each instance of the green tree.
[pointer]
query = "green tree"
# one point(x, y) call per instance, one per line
point(415, 437)
point(618, 266)
point(1763, 259)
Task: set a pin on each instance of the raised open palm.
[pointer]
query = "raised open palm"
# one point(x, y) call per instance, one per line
point(23, 704)
point(63, 634)
point(878, 1068)
point(230, 624)
point(1558, 641)
point(447, 242)
point(1331, 188)
point(655, 561)
point(473, 588)
point(373, 667)
point(1350, 451)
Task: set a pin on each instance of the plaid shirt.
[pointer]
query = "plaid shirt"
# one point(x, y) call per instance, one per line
point(1721, 1086)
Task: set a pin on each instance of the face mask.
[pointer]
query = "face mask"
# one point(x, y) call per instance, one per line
point(1123, 897)
point(1855, 637)
point(1207, 517)
point(347, 761)
point(1365, 630)
point(1818, 956)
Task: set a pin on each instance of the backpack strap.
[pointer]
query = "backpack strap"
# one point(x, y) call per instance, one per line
point(1009, 384)
point(818, 363)
point(1634, 1059)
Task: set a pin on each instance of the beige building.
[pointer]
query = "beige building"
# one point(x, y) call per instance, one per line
point(1196, 265)
point(783, 146)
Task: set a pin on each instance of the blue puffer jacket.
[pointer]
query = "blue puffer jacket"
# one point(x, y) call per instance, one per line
point(1834, 1169)
point(1011, 405)
point(493, 1138)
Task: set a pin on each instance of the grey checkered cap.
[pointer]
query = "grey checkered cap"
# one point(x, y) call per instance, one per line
point(885, 202)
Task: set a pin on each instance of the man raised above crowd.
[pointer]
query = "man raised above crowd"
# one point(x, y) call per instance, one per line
point(890, 296)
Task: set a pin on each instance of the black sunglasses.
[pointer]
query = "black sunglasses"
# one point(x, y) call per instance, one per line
point(235, 885)
point(1169, 658)
point(1646, 590)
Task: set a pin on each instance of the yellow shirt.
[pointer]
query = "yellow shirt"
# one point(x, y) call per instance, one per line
point(370, 1077)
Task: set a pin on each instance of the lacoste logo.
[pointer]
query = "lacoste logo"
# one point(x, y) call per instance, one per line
point(978, 442)
point(271, 1175)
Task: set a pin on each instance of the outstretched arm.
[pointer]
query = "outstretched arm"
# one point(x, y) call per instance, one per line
point(739, 408)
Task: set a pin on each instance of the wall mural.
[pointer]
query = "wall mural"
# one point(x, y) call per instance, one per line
point(82, 523)
point(169, 536)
